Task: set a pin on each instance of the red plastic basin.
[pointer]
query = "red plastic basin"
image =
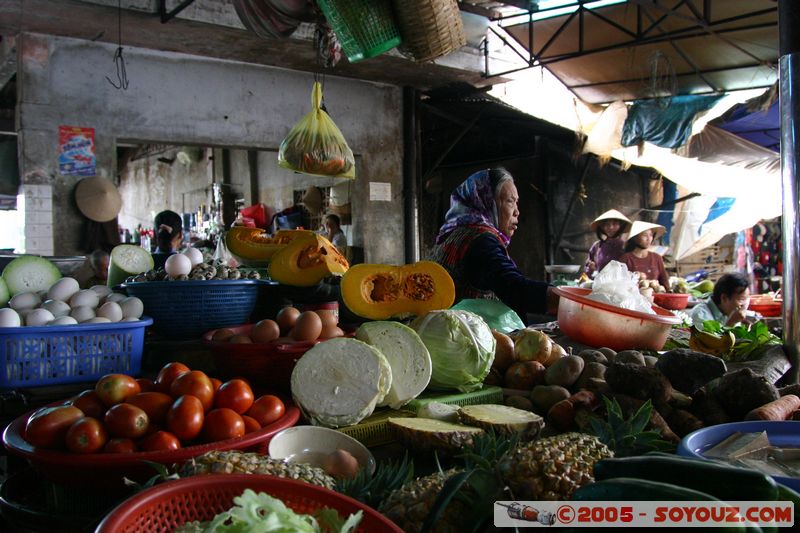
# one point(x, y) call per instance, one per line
point(669, 300)
point(598, 324)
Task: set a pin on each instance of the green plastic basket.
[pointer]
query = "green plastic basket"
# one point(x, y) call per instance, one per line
point(488, 394)
point(365, 28)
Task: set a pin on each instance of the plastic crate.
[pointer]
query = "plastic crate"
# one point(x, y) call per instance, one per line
point(187, 309)
point(51, 355)
point(365, 28)
point(484, 395)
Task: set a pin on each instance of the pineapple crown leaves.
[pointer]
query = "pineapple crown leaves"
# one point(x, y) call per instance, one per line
point(372, 489)
point(478, 486)
point(162, 474)
point(627, 437)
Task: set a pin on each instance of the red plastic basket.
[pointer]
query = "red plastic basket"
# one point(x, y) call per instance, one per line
point(766, 305)
point(164, 507)
point(105, 471)
point(675, 301)
point(264, 364)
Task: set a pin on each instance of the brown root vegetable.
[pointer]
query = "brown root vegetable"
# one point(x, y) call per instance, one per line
point(503, 351)
point(790, 389)
point(493, 378)
point(630, 356)
point(562, 416)
point(630, 405)
point(743, 390)
point(564, 372)
point(639, 382)
point(707, 408)
point(525, 375)
point(532, 345)
point(688, 370)
point(520, 402)
point(593, 356)
point(545, 396)
point(682, 422)
point(611, 355)
point(780, 409)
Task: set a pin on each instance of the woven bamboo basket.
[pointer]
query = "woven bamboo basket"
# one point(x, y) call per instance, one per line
point(430, 28)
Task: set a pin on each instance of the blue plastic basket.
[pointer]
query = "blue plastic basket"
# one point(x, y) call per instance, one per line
point(184, 310)
point(52, 355)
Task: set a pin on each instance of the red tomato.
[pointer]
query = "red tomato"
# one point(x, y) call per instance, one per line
point(86, 435)
point(89, 402)
point(47, 427)
point(216, 384)
point(146, 384)
point(222, 424)
point(167, 375)
point(159, 441)
point(185, 417)
point(235, 394)
point(120, 445)
point(155, 404)
point(114, 388)
point(194, 383)
point(126, 420)
point(250, 424)
point(267, 409)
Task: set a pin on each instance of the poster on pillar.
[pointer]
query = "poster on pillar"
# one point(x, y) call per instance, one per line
point(76, 151)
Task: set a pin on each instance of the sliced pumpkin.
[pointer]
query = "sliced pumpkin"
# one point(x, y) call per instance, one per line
point(305, 261)
point(379, 292)
point(257, 245)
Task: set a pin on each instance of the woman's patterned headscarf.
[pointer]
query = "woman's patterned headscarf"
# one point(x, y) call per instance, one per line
point(473, 204)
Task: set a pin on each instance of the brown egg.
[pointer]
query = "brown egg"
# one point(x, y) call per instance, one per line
point(222, 335)
point(240, 339)
point(341, 464)
point(308, 327)
point(286, 318)
point(328, 318)
point(331, 332)
point(265, 331)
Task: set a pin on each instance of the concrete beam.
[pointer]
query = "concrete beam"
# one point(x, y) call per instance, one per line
point(8, 59)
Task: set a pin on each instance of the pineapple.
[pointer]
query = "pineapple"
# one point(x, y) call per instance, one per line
point(552, 468)
point(236, 462)
point(408, 507)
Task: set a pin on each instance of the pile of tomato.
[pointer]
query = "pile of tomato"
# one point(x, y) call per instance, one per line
point(180, 407)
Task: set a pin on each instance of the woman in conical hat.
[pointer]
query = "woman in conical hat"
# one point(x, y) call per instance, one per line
point(609, 228)
point(637, 256)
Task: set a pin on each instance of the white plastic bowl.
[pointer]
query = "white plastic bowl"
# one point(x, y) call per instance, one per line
point(311, 444)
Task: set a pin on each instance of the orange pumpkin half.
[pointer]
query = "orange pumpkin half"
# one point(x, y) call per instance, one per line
point(379, 292)
point(256, 244)
point(306, 261)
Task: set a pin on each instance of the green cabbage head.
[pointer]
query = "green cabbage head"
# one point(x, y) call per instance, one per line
point(461, 347)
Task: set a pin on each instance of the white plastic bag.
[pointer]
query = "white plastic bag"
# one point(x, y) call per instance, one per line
point(616, 285)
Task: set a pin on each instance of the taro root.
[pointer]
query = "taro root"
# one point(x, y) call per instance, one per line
point(639, 382)
point(743, 390)
point(687, 370)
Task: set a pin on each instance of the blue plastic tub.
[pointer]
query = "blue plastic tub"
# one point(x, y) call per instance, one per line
point(184, 310)
point(52, 355)
point(780, 433)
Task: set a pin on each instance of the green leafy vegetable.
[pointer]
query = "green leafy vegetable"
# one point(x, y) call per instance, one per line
point(751, 340)
point(261, 513)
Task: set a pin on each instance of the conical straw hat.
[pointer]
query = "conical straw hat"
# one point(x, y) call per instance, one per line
point(98, 199)
point(612, 214)
point(640, 226)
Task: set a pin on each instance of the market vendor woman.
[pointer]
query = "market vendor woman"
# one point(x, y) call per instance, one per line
point(609, 245)
point(728, 302)
point(472, 245)
point(639, 258)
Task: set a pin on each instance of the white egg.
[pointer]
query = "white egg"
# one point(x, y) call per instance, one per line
point(62, 321)
point(132, 307)
point(101, 290)
point(9, 318)
point(38, 317)
point(24, 300)
point(97, 320)
point(177, 265)
point(194, 255)
point(63, 289)
point(23, 313)
point(129, 319)
point(114, 297)
point(57, 307)
point(82, 313)
point(111, 311)
point(86, 297)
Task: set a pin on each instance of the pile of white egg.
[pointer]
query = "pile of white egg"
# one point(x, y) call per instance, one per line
point(65, 303)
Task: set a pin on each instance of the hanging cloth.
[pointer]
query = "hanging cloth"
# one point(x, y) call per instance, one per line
point(665, 122)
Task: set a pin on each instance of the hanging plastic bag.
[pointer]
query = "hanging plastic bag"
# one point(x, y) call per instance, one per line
point(316, 146)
